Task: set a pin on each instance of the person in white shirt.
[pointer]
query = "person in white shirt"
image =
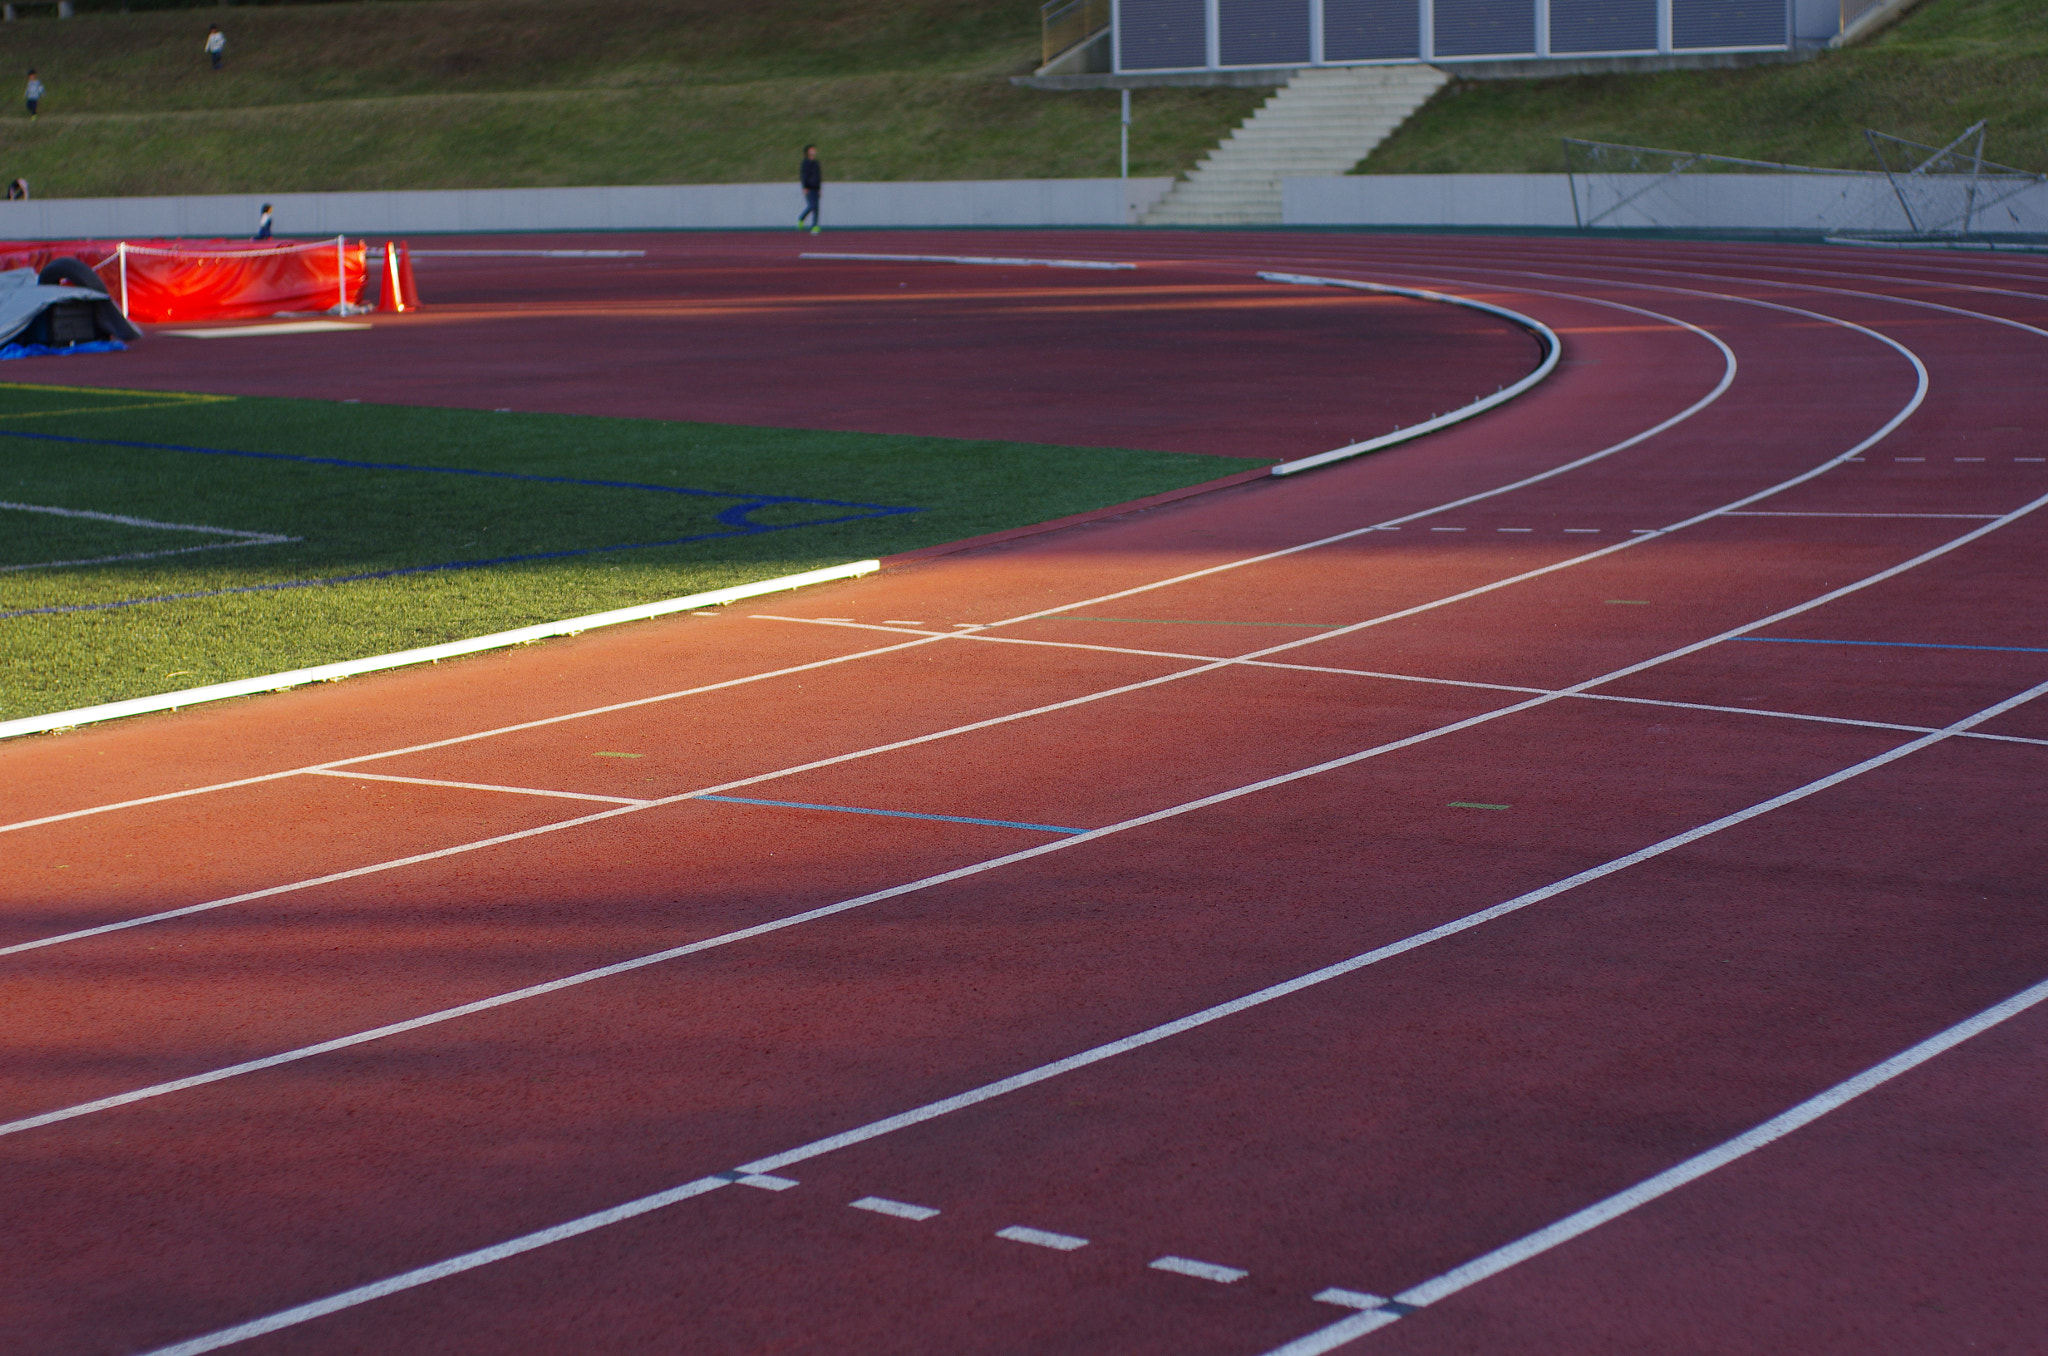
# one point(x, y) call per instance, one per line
point(216, 45)
point(263, 224)
point(35, 91)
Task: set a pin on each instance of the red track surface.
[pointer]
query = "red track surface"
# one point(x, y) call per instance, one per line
point(1741, 871)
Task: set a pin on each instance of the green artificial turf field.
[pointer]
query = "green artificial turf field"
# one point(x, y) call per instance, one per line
point(157, 541)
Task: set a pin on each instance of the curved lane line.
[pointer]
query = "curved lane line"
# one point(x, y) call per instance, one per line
point(1727, 378)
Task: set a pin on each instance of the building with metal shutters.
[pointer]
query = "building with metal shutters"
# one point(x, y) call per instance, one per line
point(1196, 35)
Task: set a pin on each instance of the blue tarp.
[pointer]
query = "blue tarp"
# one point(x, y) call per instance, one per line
point(44, 351)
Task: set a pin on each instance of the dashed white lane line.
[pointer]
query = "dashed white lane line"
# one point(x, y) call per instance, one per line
point(882, 1205)
point(1041, 1238)
point(1204, 1271)
point(1582, 529)
point(1447, 529)
point(1350, 1299)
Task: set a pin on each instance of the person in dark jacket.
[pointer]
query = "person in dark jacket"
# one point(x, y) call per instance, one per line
point(811, 175)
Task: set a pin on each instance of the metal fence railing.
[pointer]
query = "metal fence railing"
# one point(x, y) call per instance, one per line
point(1066, 24)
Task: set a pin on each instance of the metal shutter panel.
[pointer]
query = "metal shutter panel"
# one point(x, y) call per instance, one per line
point(1367, 30)
point(1485, 27)
point(1728, 23)
point(1603, 25)
point(1262, 32)
point(1161, 35)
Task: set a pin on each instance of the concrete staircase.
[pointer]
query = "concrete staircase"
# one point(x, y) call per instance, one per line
point(1324, 121)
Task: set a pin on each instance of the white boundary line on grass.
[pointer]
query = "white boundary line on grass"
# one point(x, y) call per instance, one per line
point(277, 682)
point(349, 668)
point(1350, 1327)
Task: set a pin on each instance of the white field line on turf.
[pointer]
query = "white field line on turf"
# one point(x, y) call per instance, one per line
point(126, 521)
point(989, 1091)
point(1727, 379)
point(1919, 395)
point(326, 673)
point(1060, 845)
point(1641, 1194)
point(1516, 688)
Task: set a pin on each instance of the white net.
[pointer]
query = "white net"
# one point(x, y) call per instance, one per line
point(1918, 192)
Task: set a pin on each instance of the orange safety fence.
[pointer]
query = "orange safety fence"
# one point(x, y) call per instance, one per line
point(154, 281)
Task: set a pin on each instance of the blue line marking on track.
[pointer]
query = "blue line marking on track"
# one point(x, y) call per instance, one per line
point(1894, 644)
point(734, 517)
point(893, 814)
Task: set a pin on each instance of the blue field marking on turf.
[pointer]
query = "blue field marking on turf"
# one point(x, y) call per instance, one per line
point(893, 814)
point(1894, 644)
point(752, 501)
point(734, 516)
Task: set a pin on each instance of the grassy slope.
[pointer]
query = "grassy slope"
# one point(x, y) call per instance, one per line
point(352, 520)
point(481, 93)
point(1942, 68)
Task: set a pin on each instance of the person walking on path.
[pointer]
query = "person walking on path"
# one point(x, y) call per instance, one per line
point(263, 224)
point(811, 175)
point(216, 45)
point(35, 91)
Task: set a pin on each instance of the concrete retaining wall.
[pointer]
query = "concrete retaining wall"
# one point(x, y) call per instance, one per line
point(1773, 202)
point(971, 202)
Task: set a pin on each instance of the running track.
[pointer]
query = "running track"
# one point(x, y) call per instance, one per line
point(1511, 825)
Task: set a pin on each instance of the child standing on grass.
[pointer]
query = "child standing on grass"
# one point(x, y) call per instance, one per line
point(811, 175)
point(216, 45)
point(35, 91)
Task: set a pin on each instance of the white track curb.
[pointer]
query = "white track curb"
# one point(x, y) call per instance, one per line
point(1536, 327)
point(322, 673)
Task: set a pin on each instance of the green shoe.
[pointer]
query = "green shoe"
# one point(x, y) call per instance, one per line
point(816, 229)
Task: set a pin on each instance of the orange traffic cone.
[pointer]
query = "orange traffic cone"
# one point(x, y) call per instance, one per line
point(393, 295)
point(405, 283)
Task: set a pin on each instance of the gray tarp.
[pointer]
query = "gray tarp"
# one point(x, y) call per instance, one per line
point(22, 299)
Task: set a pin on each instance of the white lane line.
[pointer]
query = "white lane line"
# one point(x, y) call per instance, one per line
point(764, 1181)
point(969, 259)
point(1691, 1170)
point(453, 740)
point(1727, 379)
point(1062, 844)
point(1343, 1331)
point(1350, 1299)
point(472, 786)
point(1041, 1238)
point(453, 1266)
point(1202, 1271)
point(1582, 529)
point(1769, 513)
point(882, 1205)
